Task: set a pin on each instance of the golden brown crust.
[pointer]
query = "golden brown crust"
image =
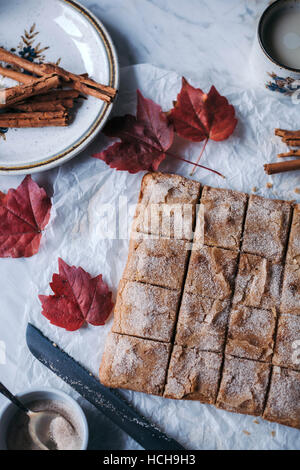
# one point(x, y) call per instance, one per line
point(258, 282)
point(145, 311)
point(202, 323)
point(287, 349)
point(293, 252)
point(126, 359)
point(251, 333)
point(290, 297)
point(166, 206)
point(243, 386)
point(211, 272)
point(220, 218)
point(159, 262)
point(283, 403)
point(193, 375)
point(266, 227)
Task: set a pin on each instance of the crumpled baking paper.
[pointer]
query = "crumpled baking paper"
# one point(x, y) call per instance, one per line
point(84, 186)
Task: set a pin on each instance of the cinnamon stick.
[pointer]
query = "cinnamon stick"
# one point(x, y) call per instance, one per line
point(44, 106)
point(73, 80)
point(291, 153)
point(37, 119)
point(56, 95)
point(291, 142)
point(18, 93)
point(17, 76)
point(69, 77)
point(281, 167)
point(287, 134)
point(22, 123)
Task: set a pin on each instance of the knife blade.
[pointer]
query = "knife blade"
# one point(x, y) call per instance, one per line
point(108, 401)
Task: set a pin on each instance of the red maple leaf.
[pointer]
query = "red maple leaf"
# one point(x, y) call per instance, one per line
point(78, 298)
point(24, 213)
point(198, 116)
point(144, 138)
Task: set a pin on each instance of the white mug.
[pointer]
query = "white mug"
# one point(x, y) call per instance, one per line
point(277, 73)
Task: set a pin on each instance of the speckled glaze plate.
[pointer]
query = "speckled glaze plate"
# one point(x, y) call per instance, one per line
point(68, 31)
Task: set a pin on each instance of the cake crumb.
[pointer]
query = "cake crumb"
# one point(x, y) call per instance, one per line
point(297, 190)
point(256, 421)
point(269, 185)
point(254, 189)
point(246, 432)
point(273, 433)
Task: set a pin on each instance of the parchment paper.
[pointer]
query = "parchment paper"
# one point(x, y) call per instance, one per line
point(83, 186)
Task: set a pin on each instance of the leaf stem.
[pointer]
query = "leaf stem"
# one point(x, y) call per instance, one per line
point(198, 159)
point(195, 164)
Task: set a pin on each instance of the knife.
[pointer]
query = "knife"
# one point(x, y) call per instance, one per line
point(108, 401)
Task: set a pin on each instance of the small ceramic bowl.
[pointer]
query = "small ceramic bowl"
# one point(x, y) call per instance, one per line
point(266, 69)
point(8, 410)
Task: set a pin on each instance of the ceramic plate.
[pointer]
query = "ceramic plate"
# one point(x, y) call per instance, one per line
point(74, 35)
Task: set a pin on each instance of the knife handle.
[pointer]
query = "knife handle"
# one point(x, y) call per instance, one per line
point(4, 391)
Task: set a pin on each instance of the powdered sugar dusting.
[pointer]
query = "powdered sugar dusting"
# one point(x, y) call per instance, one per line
point(251, 333)
point(283, 405)
point(220, 218)
point(202, 322)
point(193, 374)
point(244, 385)
point(266, 227)
point(146, 311)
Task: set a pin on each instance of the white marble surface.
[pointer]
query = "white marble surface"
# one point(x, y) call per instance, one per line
point(185, 37)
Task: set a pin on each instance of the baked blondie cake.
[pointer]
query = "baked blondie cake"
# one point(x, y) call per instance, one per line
point(283, 404)
point(167, 206)
point(216, 320)
point(243, 386)
point(266, 227)
point(211, 272)
point(193, 375)
point(251, 333)
point(220, 218)
point(135, 363)
point(290, 297)
point(258, 282)
point(202, 323)
point(145, 311)
point(160, 262)
point(293, 252)
point(287, 349)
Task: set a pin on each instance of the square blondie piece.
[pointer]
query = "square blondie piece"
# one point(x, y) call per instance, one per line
point(293, 252)
point(202, 323)
point(160, 262)
point(258, 282)
point(134, 363)
point(251, 333)
point(243, 386)
point(167, 206)
point(283, 403)
point(220, 218)
point(287, 349)
point(211, 272)
point(266, 227)
point(193, 375)
point(145, 311)
point(290, 297)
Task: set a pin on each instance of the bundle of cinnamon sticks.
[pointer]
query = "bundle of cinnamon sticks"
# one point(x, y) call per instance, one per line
point(40, 100)
point(292, 139)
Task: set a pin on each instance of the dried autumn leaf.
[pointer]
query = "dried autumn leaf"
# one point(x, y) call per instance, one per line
point(144, 138)
point(24, 213)
point(198, 116)
point(78, 298)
